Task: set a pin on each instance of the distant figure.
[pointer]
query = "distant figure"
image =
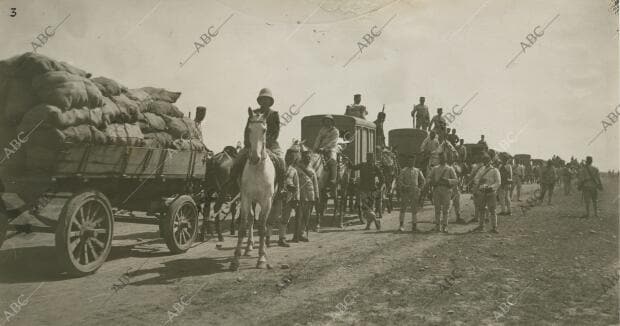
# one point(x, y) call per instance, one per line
point(505, 172)
point(462, 150)
point(519, 176)
point(380, 136)
point(326, 143)
point(548, 178)
point(453, 138)
point(308, 194)
point(456, 193)
point(567, 176)
point(356, 109)
point(420, 115)
point(590, 184)
point(482, 141)
point(429, 146)
point(439, 123)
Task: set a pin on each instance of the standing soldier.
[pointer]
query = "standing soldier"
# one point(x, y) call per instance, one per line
point(428, 148)
point(291, 201)
point(453, 138)
point(548, 178)
point(370, 180)
point(443, 178)
point(326, 143)
point(482, 141)
point(505, 172)
point(566, 178)
point(201, 112)
point(356, 109)
point(421, 115)
point(409, 182)
point(380, 136)
point(308, 194)
point(438, 123)
point(456, 193)
point(590, 184)
point(462, 150)
point(486, 183)
point(519, 176)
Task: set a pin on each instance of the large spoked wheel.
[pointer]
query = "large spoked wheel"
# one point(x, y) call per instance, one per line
point(180, 226)
point(4, 226)
point(84, 233)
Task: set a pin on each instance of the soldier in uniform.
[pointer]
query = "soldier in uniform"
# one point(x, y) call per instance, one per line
point(326, 143)
point(380, 136)
point(265, 100)
point(443, 179)
point(439, 123)
point(590, 184)
point(486, 182)
point(409, 182)
point(420, 115)
point(505, 172)
point(370, 180)
point(356, 109)
point(291, 201)
point(308, 194)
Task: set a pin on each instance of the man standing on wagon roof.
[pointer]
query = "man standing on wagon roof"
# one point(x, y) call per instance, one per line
point(438, 123)
point(356, 109)
point(265, 100)
point(421, 116)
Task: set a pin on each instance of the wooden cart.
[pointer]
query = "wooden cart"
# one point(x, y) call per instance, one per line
point(76, 194)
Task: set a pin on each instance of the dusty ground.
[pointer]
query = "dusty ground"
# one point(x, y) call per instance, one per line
point(546, 267)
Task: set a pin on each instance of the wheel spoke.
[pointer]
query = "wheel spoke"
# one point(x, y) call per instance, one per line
point(188, 236)
point(87, 207)
point(103, 231)
point(98, 242)
point(80, 214)
point(95, 219)
point(74, 234)
point(73, 245)
point(91, 249)
point(84, 253)
point(74, 222)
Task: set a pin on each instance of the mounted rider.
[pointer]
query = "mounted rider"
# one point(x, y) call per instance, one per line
point(265, 100)
point(326, 143)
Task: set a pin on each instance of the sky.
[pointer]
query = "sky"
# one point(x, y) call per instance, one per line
point(551, 100)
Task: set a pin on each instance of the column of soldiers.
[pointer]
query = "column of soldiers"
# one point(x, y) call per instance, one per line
point(492, 179)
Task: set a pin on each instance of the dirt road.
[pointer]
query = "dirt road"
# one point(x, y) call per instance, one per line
point(546, 266)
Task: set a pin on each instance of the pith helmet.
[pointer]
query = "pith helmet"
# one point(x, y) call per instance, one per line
point(266, 94)
point(329, 117)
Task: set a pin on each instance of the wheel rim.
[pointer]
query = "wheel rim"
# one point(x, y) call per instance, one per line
point(89, 233)
point(184, 224)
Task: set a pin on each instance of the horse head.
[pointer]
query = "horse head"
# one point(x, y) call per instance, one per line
point(257, 125)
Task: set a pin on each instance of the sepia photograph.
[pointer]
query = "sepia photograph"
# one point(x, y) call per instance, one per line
point(309, 162)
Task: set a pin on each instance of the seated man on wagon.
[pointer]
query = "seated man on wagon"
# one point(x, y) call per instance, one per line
point(265, 100)
point(327, 143)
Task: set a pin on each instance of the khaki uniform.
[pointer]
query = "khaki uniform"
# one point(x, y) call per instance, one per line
point(409, 182)
point(488, 178)
point(442, 193)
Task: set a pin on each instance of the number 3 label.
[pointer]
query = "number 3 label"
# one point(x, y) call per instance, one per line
point(13, 12)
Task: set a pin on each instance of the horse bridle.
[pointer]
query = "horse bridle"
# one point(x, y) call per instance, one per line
point(263, 152)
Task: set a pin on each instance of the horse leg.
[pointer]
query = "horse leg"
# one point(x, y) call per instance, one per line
point(233, 212)
point(243, 216)
point(250, 233)
point(218, 229)
point(262, 228)
point(206, 215)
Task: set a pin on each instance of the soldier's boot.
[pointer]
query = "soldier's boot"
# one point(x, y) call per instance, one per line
point(332, 170)
point(378, 224)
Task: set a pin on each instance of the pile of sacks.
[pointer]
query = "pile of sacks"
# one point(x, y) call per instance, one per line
point(48, 105)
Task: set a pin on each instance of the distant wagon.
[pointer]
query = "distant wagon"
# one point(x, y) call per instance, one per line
point(360, 132)
point(523, 159)
point(407, 142)
point(475, 152)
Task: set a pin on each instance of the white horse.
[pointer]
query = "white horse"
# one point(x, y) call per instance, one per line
point(257, 187)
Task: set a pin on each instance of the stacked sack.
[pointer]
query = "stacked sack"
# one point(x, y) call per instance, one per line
point(50, 105)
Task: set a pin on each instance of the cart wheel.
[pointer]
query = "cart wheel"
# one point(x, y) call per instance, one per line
point(180, 226)
point(84, 233)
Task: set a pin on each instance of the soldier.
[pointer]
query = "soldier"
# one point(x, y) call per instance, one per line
point(456, 193)
point(356, 109)
point(370, 179)
point(428, 147)
point(308, 194)
point(486, 182)
point(590, 184)
point(443, 178)
point(265, 100)
point(380, 136)
point(409, 182)
point(548, 178)
point(291, 201)
point(438, 123)
point(505, 172)
point(462, 150)
point(326, 143)
point(421, 115)
point(519, 176)
point(453, 138)
point(567, 177)
point(201, 112)
point(482, 141)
